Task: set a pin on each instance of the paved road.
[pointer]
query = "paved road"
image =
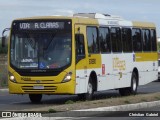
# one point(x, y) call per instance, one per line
point(20, 102)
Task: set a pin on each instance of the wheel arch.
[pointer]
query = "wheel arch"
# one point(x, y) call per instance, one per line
point(93, 75)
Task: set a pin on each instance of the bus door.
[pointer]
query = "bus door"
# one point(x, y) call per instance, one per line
point(94, 61)
point(81, 61)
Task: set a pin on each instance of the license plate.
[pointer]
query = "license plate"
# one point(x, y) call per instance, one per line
point(38, 87)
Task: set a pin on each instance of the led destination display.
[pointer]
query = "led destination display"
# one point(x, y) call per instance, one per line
point(41, 25)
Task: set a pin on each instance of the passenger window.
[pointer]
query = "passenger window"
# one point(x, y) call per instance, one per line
point(137, 41)
point(153, 40)
point(93, 43)
point(104, 37)
point(146, 40)
point(116, 39)
point(126, 40)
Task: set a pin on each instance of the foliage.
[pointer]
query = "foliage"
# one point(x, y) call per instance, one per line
point(69, 102)
point(158, 46)
point(127, 102)
point(3, 50)
point(52, 110)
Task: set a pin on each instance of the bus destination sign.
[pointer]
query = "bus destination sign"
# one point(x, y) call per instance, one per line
point(38, 25)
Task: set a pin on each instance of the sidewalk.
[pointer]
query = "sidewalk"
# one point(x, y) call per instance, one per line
point(4, 90)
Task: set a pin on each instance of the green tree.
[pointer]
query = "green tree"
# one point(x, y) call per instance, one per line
point(3, 50)
point(158, 46)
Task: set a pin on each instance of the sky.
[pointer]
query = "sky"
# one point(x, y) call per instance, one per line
point(137, 10)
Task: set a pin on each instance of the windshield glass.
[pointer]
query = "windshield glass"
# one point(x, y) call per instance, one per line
point(41, 49)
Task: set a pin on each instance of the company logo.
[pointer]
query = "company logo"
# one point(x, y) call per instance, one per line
point(6, 114)
point(38, 81)
point(20, 114)
point(119, 64)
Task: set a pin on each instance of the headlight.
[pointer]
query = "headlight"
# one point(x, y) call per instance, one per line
point(67, 77)
point(12, 78)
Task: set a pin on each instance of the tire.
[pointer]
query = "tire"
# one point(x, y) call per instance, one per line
point(134, 84)
point(35, 98)
point(130, 90)
point(89, 94)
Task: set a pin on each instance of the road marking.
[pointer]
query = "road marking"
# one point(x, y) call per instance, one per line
point(14, 103)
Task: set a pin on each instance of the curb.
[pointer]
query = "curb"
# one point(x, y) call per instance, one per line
point(69, 115)
point(96, 111)
point(127, 107)
point(4, 90)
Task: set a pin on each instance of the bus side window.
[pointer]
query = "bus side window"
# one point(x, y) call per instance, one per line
point(146, 40)
point(116, 39)
point(153, 40)
point(104, 38)
point(80, 49)
point(137, 40)
point(126, 40)
point(92, 39)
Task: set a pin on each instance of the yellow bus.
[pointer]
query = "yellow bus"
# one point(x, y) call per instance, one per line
point(82, 54)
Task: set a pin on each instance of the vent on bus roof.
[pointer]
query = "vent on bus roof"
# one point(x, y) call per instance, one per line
point(97, 16)
point(91, 15)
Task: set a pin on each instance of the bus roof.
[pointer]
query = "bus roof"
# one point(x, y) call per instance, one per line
point(97, 19)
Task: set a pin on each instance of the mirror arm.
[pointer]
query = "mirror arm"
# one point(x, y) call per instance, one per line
point(6, 29)
point(3, 37)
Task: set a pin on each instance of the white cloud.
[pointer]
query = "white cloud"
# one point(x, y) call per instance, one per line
point(64, 12)
point(143, 10)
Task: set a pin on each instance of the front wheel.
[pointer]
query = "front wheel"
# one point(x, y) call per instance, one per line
point(35, 98)
point(130, 90)
point(89, 94)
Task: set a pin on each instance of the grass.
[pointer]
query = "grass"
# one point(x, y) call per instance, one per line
point(157, 97)
point(3, 70)
point(144, 100)
point(127, 102)
point(52, 110)
point(69, 102)
point(114, 101)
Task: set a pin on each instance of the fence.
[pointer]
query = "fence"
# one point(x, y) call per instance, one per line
point(3, 70)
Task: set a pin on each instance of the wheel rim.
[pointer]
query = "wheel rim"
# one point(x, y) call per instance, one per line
point(134, 84)
point(89, 89)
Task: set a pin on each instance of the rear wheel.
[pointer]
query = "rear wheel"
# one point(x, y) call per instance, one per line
point(134, 84)
point(35, 98)
point(130, 90)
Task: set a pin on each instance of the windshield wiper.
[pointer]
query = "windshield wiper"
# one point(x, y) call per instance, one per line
point(53, 35)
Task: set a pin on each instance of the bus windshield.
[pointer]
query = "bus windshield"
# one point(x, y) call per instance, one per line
point(40, 49)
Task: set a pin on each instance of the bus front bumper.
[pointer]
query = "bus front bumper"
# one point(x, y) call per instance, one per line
point(60, 88)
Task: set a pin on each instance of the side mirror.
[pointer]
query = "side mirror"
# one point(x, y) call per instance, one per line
point(3, 41)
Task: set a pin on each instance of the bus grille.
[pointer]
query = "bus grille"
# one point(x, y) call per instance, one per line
point(36, 81)
point(46, 89)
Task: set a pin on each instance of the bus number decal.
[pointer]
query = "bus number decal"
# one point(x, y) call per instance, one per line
point(92, 61)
